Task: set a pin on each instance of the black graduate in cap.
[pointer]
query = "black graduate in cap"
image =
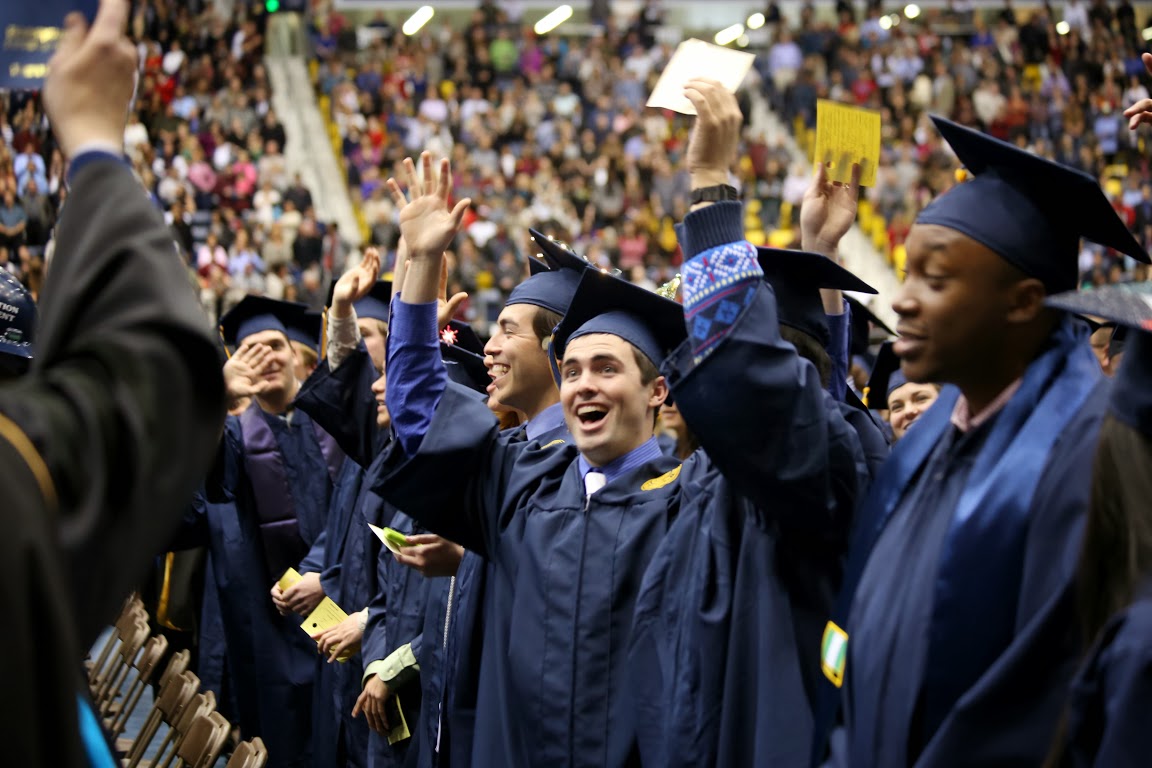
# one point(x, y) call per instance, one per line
point(954, 594)
point(1105, 722)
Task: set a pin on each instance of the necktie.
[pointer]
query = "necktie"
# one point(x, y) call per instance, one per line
point(594, 481)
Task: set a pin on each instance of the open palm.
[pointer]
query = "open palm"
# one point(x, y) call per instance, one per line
point(427, 224)
point(828, 210)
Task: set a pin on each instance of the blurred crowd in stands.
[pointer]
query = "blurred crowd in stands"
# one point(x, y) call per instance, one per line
point(551, 132)
point(205, 143)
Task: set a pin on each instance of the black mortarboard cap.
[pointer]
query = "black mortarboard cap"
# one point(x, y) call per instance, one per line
point(305, 329)
point(1128, 305)
point(1030, 211)
point(796, 278)
point(886, 376)
point(464, 367)
point(607, 304)
point(862, 319)
point(254, 314)
point(460, 334)
point(554, 287)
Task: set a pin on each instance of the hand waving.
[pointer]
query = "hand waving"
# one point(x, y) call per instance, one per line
point(355, 284)
point(828, 210)
point(427, 224)
point(243, 371)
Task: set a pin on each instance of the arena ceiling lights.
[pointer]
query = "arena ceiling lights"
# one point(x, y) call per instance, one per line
point(553, 20)
point(417, 20)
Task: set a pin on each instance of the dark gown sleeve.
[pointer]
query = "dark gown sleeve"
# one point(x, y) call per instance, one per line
point(342, 403)
point(1112, 696)
point(456, 483)
point(125, 397)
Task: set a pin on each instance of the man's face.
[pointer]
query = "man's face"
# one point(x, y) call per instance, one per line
point(280, 370)
point(607, 408)
point(517, 363)
point(375, 335)
point(906, 403)
point(379, 391)
point(952, 305)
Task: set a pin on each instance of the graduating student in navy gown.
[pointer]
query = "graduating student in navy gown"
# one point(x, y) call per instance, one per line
point(347, 572)
point(521, 379)
point(549, 683)
point(266, 503)
point(1106, 723)
point(954, 640)
point(734, 601)
point(347, 396)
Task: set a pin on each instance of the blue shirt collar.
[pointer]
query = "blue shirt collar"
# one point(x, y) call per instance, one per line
point(642, 454)
point(547, 420)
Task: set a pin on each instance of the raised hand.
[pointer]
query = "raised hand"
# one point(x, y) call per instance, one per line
point(427, 224)
point(243, 373)
point(716, 135)
point(1141, 111)
point(90, 79)
point(355, 284)
point(828, 210)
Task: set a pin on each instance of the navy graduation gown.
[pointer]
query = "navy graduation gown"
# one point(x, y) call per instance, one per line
point(450, 666)
point(283, 658)
point(1111, 700)
point(984, 640)
point(729, 618)
point(561, 589)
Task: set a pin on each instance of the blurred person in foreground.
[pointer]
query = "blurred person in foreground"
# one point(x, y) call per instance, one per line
point(105, 437)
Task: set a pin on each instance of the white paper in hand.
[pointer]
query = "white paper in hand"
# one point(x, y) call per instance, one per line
point(696, 58)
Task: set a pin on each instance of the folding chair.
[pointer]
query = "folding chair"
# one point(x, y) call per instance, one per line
point(204, 741)
point(111, 687)
point(176, 666)
point(249, 754)
point(174, 698)
point(133, 612)
point(202, 704)
point(145, 667)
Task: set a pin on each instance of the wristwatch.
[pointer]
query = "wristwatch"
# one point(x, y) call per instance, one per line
point(715, 194)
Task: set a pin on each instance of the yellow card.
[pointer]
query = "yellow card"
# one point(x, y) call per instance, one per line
point(847, 135)
point(290, 577)
point(326, 616)
point(399, 730)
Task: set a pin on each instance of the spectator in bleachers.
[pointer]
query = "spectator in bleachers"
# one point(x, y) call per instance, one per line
point(13, 221)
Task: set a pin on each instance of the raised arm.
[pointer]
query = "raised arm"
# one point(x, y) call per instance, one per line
point(757, 407)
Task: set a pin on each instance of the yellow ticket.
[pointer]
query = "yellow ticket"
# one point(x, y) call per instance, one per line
point(395, 715)
point(290, 577)
point(326, 616)
point(847, 135)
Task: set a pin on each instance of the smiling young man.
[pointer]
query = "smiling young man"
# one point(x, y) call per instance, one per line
point(955, 640)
